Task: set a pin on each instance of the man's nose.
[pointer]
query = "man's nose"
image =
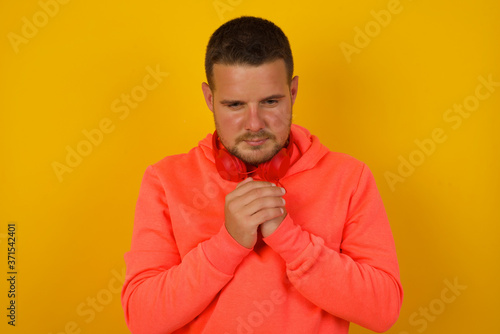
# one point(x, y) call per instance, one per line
point(254, 119)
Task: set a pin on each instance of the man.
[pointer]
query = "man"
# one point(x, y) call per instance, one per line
point(259, 229)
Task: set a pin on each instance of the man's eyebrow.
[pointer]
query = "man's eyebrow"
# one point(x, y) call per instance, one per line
point(272, 97)
point(230, 101)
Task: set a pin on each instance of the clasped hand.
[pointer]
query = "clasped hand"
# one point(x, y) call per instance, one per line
point(251, 205)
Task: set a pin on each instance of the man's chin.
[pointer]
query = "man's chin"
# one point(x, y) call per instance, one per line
point(255, 161)
point(255, 155)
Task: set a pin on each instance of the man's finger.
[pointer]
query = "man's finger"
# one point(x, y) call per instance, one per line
point(248, 179)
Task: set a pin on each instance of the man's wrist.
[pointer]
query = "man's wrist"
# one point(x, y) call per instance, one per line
point(288, 240)
point(223, 252)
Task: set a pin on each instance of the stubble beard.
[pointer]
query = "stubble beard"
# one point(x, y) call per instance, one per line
point(254, 158)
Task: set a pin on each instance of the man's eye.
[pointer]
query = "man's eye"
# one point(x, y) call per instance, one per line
point(234, 105)
point(270, 102)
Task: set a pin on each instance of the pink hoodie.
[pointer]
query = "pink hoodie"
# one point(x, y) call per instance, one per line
point(331, 261)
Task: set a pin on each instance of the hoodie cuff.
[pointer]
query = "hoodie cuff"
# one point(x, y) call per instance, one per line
point(289, 240)
point(223, 252)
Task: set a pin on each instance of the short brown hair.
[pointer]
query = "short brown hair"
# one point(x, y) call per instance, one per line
point(247, 40)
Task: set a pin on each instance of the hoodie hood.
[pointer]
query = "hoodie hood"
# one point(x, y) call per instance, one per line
point(306, 153)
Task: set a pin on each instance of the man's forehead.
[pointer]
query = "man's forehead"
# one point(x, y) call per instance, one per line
point(233, 76)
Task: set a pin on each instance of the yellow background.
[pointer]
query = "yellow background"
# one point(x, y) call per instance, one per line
point(72, 231)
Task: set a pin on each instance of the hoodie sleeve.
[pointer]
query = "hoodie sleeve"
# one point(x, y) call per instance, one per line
point(163, 292)
point(360, 283)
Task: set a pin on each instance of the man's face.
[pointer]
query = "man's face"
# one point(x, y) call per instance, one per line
point(252, 107)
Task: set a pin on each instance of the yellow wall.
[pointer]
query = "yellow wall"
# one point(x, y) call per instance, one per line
point(382, 80)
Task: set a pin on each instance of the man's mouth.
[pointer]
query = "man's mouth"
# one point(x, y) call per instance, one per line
point(256, 142)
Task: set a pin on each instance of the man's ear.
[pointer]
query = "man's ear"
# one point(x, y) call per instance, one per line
point(294, 87)
point(209, 96)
